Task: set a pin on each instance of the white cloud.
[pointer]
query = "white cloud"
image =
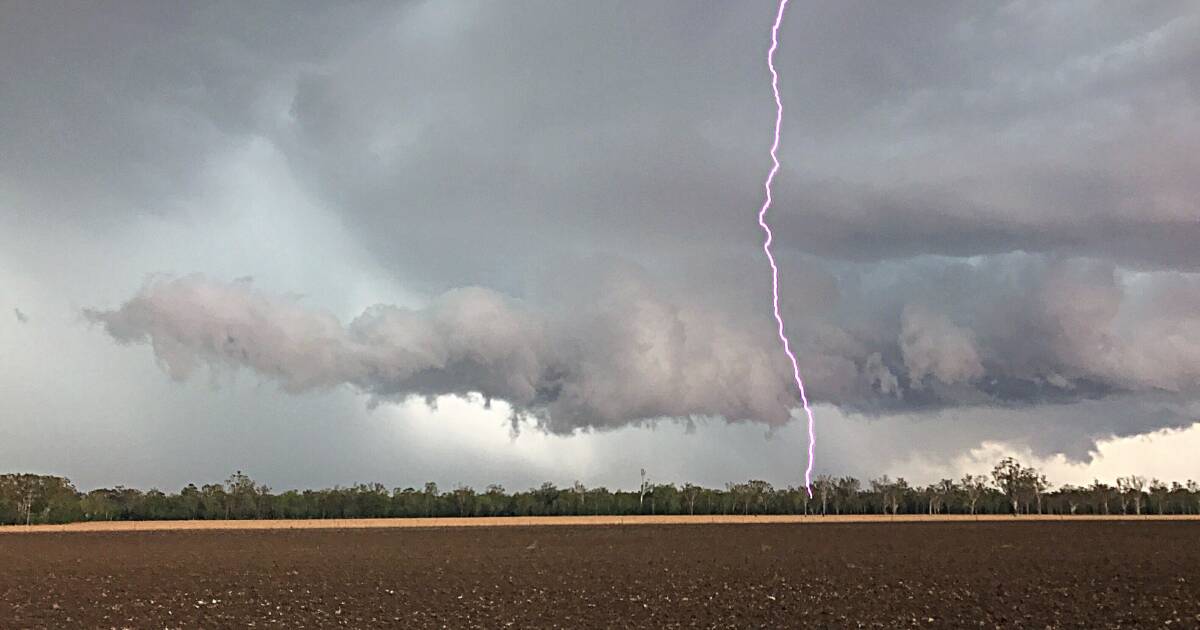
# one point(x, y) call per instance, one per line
point(1167, 454)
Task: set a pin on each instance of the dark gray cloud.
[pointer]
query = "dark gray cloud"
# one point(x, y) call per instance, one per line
point(623, 129)
point(981, 207)
point(517, 132)
point(113, 110)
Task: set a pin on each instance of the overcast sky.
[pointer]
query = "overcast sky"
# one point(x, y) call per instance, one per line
point(516, 242)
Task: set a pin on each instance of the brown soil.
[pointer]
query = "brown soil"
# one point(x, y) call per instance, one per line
point(935, 574)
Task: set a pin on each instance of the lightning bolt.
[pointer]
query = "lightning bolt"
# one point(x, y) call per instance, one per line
point(762, 221)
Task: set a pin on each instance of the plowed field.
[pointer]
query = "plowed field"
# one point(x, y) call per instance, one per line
point(1032, 574)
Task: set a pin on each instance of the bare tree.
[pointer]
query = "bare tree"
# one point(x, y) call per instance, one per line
point(580, 496)
point(884, 487)
point(1138, 485)
point(824, 485)
point(1039, 485)
point(1123, 495)
point(974, 486)
point(1071, 495)
point(27, 505)
point(642, 491)
point(690, 493)
point(1131, 488)
point(939, 495)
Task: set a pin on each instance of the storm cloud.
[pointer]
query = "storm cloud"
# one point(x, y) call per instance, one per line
point(627, 356)
point(628, 351)
point(984, 212)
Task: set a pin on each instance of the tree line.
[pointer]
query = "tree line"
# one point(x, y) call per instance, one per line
point(1010, 489)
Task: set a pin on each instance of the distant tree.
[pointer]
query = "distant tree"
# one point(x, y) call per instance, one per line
point(547, 496)
point(368, 500)
point(602, 500)
point(734, 492)
point(33, 499)
point(940, 494)
point(407, 501)
point(497, 500)
point(189, 501)
point(793, 500)
point(705, 501)
point(691, 492)
point(824, 485)
point(758, 492)
point(242, 496)
point(885, 489)
point(431, 496)
point(1159, 492)
point(463, 498)
point(845, 494)
point(97, 505)
point(642, 490)
point(1101, 494)
point(580, 492)
point(666, 499)
point(901, 491)
point(1038, 485)
point(1009, 477)
point(974, 487)
point(1179, 495)
point(1073, 497)
point(25, 493)
point(1131, 488)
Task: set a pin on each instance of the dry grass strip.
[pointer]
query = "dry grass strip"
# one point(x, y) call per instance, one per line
point(528, 521)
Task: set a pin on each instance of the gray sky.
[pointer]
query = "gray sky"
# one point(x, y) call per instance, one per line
point(266, 237)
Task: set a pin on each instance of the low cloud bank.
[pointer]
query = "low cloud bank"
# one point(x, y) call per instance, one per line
point(1019, 330)
point(628, 356)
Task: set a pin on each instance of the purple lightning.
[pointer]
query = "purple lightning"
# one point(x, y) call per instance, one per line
point(762, 221)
